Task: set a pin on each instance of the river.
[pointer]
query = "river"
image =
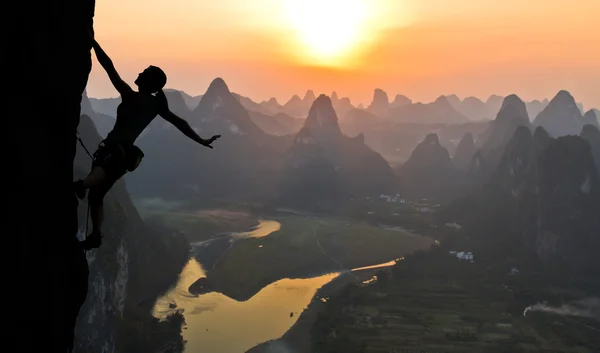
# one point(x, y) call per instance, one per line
point(219, 324)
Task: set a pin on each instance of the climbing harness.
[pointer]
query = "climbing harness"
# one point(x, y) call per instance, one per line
point(132, 158)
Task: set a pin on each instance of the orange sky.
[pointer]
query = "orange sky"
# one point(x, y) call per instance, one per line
point(420, 48)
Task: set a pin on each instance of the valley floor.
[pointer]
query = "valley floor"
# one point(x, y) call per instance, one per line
point(437, 304)
point(306, 246)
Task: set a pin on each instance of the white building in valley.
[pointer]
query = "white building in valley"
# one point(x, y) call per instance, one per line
point(463, 255)
point(392, 198)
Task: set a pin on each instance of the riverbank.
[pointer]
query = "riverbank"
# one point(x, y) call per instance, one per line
point(305, 246)
point(203, 224)
point(298, 338)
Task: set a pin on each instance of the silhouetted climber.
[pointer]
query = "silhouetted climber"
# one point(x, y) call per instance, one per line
point(116, 154)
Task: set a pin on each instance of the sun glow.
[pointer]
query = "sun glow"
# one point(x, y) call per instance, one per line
point(329, 30)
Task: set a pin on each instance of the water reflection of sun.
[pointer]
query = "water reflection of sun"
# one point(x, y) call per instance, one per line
point(216, 323)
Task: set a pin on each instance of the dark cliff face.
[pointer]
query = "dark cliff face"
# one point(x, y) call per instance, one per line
point(47, 51)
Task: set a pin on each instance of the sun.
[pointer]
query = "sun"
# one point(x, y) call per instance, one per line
point(328, 30)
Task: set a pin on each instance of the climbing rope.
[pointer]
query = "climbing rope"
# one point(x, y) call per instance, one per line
point(87, 217)
point(83, 145)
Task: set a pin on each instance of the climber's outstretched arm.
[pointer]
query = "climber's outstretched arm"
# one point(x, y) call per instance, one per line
point(120, 85)
point(186, 129)
point(179, 123)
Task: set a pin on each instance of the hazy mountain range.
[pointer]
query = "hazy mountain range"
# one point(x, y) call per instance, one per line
point(469, 108)
point(390, 128)
point(271, 153)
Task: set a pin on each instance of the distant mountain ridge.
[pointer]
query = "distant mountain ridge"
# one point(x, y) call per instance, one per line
point(561, 117)
point(439, 111)
point(471, 107)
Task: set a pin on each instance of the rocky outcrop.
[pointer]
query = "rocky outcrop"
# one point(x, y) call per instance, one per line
point(219, 112)
point(512, 115)
point(362, 170)
point(309, 180)
point(429, 172)
point(380, 104)
point(329, 161)
point(322, 120)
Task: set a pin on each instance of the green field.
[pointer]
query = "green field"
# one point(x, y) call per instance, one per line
point(203, 224)
point(304, 247)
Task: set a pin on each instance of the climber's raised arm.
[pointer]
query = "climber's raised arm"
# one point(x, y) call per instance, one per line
point(120, 85)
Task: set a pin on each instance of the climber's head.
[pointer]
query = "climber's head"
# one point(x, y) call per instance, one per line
point(151, 80)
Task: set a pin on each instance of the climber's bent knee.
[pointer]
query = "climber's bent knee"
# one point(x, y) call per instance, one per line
point(96, 196)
